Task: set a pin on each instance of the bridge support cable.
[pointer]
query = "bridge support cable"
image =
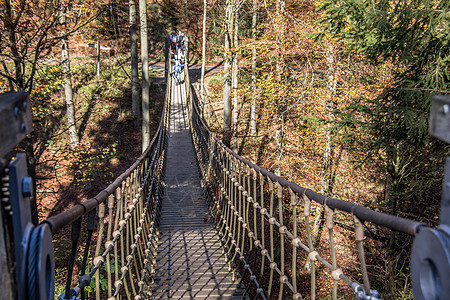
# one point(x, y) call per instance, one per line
point(259, 217)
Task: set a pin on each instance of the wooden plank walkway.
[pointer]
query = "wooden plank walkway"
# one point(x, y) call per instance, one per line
point(190, 262)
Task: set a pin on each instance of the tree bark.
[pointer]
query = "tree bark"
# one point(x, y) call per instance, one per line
point(11, 25)
point(234, 79)
point(73, 135)
point(327, 157)
point(227, 80)
point(202, 79)
point(98, 59)
point(281, 106)
point(135, 107)
point(145, 78)
point(253, 104)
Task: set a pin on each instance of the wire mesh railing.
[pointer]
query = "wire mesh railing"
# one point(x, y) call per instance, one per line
point(265, 223)
point(114, 235)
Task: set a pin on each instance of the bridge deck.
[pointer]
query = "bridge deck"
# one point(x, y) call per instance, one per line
point(190, 262)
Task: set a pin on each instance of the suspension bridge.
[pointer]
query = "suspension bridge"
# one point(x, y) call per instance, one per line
point(190, 219)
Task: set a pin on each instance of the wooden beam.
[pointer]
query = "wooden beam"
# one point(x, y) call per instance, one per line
point(15, 120)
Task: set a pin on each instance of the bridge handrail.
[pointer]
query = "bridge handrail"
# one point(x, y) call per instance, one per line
point(396, 223)
point(57, 222)
point(227, 179)
point(128, 216)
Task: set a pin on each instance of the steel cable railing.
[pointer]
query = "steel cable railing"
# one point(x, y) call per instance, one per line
point(264, 222)
point(127, 216)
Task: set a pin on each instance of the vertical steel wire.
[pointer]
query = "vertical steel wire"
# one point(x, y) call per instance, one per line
point(282, 230)
point(90, 228)
point(75, 234)
point(108, 237)
point(294, 204)
point(101, 216)
point(307, 213)
point(271, 241)
point(115, 232)
point(330, 225)
point(263, 239)
point(359, 236)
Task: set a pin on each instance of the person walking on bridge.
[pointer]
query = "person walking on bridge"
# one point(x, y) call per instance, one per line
point(180, 40)
point(179, 54)
point(173, 41)
point(177, 68)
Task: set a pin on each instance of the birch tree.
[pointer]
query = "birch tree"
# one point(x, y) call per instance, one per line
point(134, 62)
point(68, 91)
point(281, 107)
point(227, 76)
point(202, 79)
point(145, 77)
point(234, 76)
point(253, 103)
point(325, 174)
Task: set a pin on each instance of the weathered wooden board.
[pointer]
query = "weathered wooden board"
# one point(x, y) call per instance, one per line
point(15, 120)
point(190, 262)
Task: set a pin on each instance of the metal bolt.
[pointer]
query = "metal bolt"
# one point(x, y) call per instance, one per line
point(22, 127)
point(27, 186)
point(16, 111)
point(24, 106)
point(445, 109)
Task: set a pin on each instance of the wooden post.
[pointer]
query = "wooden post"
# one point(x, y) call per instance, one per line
point(98, 58)
point(166, 56)
point(15, 124)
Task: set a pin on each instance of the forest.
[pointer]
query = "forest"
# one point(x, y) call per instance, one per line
point(331, 94)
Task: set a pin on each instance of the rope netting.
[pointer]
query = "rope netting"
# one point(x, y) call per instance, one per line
point(265, 223)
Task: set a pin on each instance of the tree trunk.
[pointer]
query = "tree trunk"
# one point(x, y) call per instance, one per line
point(11, 27)
point(98, 59)
point(145, 78)
point(73, 135)
point(327, 157)
point(281, 106)
point(202, 79)
point(234, 79)
point(135, 107)
point(253, 104)
point(227, 80)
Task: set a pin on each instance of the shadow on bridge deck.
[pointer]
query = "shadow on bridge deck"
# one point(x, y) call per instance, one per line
point(190, 261)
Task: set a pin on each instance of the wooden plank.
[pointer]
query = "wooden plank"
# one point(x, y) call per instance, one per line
point(15, 120)
point(190, 261)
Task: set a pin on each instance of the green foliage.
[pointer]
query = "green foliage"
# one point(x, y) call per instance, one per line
point(413, 37)
point(48, 80)
point(102, 275)
point(414, 34)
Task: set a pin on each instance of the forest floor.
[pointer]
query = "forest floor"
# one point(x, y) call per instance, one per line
point(110, 139)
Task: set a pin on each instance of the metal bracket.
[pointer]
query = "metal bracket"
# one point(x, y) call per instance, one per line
point(430, 257)
point(22, 227)
point(35, 265)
